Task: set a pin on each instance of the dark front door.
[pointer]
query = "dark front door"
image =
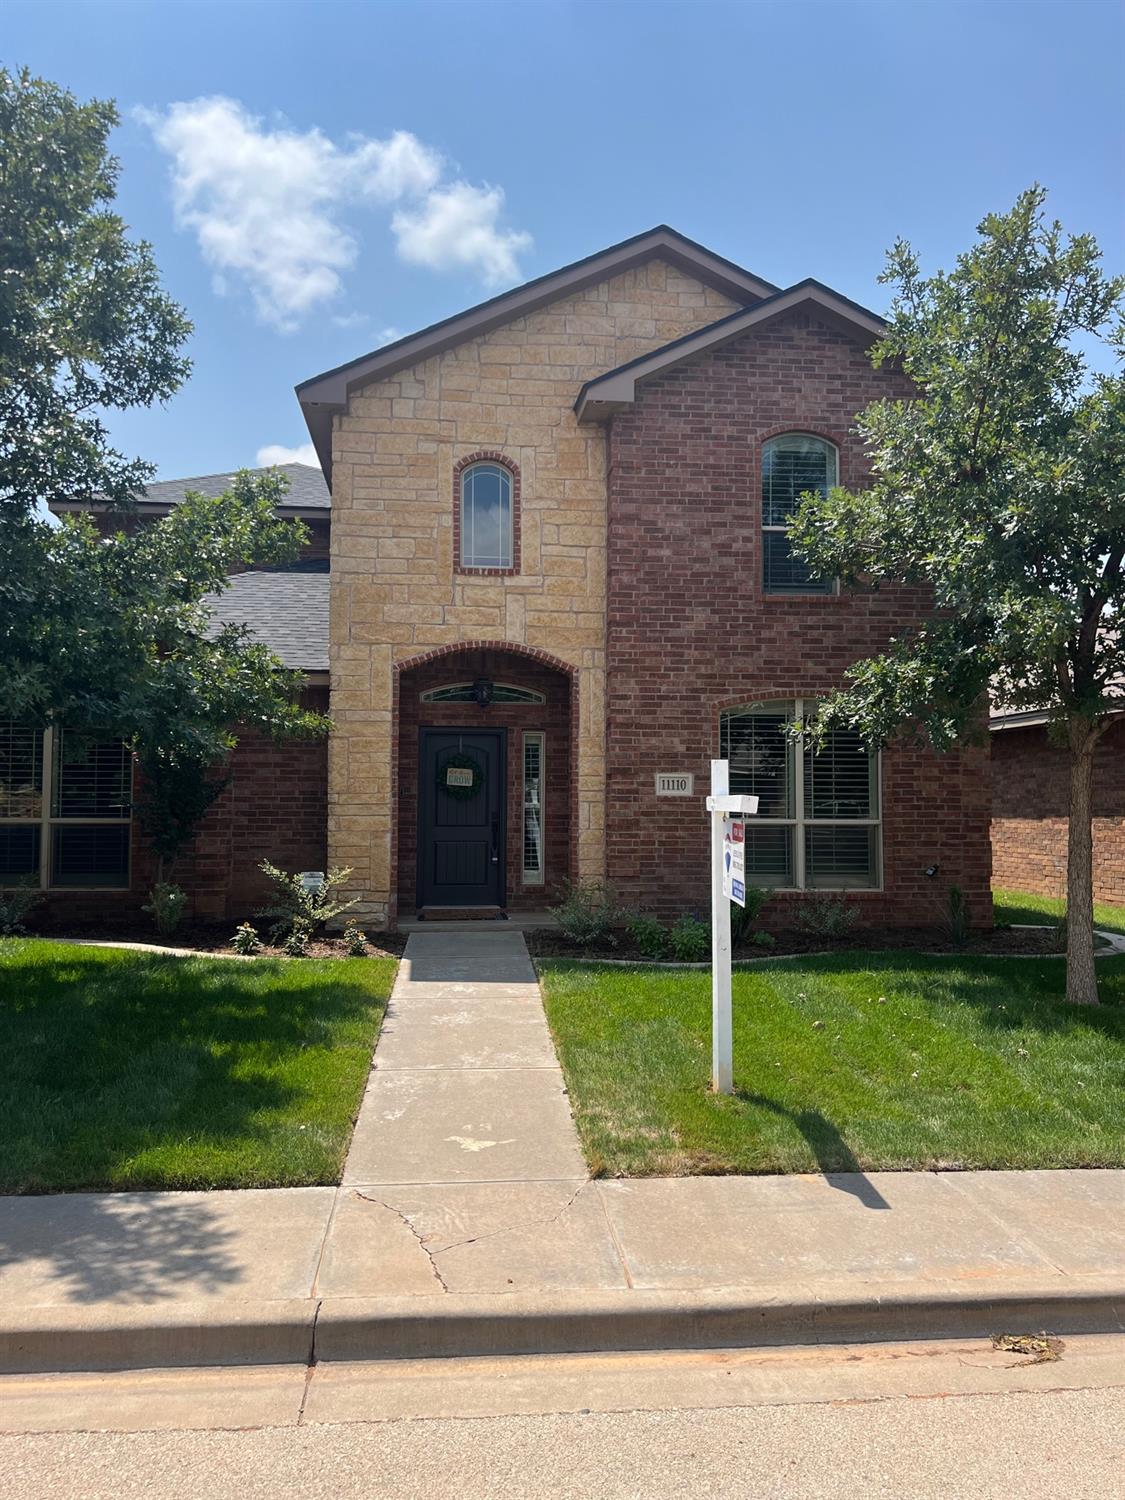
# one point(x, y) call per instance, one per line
point(461, 818)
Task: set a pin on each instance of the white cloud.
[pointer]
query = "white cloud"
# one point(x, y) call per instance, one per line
point(277, 453)
point(269, 205)
point(456, 226)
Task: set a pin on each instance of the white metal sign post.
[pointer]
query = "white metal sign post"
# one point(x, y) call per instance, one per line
point(722, 807)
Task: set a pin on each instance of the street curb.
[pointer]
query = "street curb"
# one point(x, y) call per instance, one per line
point(308, 1331)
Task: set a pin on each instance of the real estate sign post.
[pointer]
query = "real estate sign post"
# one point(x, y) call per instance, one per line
point(728, 882)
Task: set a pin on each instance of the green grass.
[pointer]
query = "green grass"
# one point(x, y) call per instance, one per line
point(137, 1070)
point(970, 1062)
point(1024, 907)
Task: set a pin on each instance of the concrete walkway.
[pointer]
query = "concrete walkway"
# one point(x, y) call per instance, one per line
point(466, 1224)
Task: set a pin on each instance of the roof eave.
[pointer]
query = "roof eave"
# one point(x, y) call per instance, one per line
point(324, 395)
point(616, 389)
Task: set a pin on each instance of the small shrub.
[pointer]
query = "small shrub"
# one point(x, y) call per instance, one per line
point(587, 913)
point(958, 921)
point(15, 904)
point(764, 940)
point(690, 939)
point(742, 917)
point(648, 934)
point(355, 940)
point(296, 944)
point(246, 940)
point(291, 903)
point(826, 917)
point(166, 905)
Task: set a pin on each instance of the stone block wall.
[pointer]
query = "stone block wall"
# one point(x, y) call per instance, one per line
point(395, 592)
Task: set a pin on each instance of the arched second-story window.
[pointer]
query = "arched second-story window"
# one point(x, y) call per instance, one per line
point(487, 525)
point(791, 465)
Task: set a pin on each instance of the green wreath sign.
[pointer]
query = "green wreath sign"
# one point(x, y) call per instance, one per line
point(467, 778)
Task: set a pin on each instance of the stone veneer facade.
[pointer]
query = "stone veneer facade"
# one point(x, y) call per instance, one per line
point(396, 595)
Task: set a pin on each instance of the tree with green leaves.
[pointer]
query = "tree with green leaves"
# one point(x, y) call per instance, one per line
point(85, 327)
point(112, 636)
point(1001, 488)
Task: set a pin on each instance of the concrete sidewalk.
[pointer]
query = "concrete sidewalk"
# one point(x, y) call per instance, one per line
point(466, 1224)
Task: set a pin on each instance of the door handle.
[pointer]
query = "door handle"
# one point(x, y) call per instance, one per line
point(495, 837)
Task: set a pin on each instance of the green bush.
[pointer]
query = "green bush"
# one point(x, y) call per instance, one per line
point(15, 903)
point(648, 933)
point(826, 917)
point(587, 913)
point(742, 917)
point(355, 940)
point(690, 939)
point(291, 904)
point(246, 940)
point(166, 905)
point(296, 945)
point(764, 940)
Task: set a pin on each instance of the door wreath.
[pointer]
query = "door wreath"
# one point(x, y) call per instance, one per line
point(460, 787)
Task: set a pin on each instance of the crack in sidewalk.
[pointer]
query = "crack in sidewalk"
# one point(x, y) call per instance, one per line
point(398, 1213)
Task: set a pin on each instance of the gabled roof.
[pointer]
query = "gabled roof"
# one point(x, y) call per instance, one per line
point(601, 397)
point(307, 491)
point(325, 394)
point(286, 611)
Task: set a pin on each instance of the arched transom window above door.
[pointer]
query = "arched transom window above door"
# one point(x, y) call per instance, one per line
point(467, 692)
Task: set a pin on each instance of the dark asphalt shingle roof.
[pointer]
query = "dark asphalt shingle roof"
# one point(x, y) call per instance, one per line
point(307, 489)
point(288, 612)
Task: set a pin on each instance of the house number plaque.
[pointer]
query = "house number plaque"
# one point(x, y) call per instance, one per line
point(674, 784)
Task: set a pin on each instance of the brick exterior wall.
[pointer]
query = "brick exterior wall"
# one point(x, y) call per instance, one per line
point(1030, 800)
point(275, 807)
point(553, 718)
point(690, 631)
point(396, 593)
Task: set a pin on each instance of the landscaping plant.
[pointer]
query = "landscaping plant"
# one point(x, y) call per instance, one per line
point(828, 918)
point(166, 905)
point(15, 904)
point(355, 940)
point(296, 944)
point(647, 933)
point(690, 939)
point(587, 913)
point(742, 918)
point(246, 940)
point(291, 904)
point(999, 492)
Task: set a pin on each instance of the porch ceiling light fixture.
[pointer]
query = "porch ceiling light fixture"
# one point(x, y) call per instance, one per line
point(482, 691)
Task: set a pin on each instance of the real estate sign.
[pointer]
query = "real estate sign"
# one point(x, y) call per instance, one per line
point(734, 860)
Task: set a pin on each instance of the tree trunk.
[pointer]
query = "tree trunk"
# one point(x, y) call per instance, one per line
point(1081, 977)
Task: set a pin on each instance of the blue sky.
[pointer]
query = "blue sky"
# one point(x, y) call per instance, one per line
point(318, 177)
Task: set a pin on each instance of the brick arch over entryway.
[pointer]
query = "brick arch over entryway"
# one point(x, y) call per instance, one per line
point(556, 719)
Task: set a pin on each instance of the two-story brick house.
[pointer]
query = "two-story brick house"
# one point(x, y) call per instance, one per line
point(560, 570)
point(560, 573)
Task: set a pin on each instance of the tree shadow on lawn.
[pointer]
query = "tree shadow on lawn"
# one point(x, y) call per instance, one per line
point(106, 1063)
point(834, 1156)
point(1007, 993)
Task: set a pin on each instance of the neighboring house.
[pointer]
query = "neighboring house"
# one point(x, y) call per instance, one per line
point(560, 573)
point(1031, 801)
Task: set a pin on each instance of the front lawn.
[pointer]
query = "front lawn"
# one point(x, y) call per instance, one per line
point(844, 1063)
point(1024, 907)
point(135, 1070)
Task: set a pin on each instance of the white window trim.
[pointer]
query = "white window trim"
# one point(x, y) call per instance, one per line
point(778, 437)
point(534, 877)
point(798, 822)
point(509, 538)
point(47, 821)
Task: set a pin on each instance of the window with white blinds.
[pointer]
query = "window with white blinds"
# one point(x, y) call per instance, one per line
point(533, 856)
point(79, 835)
point(818, 821)
point(792, 465)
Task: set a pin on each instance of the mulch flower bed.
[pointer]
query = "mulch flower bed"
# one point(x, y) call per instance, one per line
point(209, 937)
point(545, 942)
